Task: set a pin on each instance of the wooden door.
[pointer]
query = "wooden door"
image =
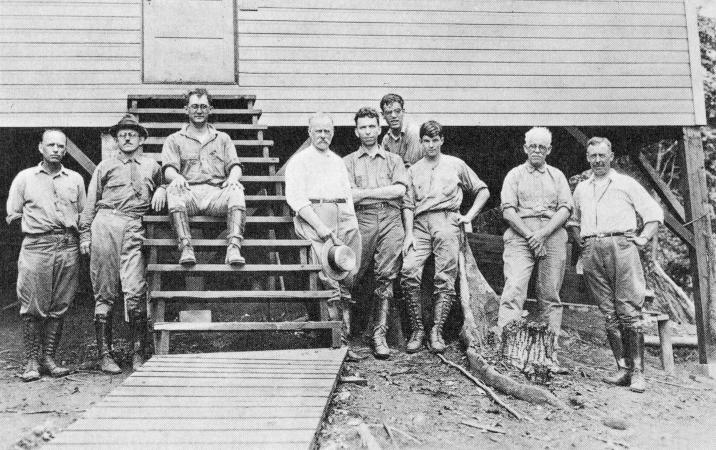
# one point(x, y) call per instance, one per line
point(189, 41)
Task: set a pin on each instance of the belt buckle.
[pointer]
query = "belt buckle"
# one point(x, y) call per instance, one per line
point(601, 235)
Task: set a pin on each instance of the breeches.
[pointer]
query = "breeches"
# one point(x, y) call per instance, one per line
point(382, 234)
point(48, 274)
point(205, 199)
point(117, 263)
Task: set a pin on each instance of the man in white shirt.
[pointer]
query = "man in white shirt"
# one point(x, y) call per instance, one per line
point(319, 191)
point(604, 223)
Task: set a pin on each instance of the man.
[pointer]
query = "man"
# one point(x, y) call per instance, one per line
point(378, 181)
point(202, 169)
point(111, 231)
point(402, 137)
point(48, 200)
point(604, 223)
point(536, 203)
point(319, 192)
point(433, 225)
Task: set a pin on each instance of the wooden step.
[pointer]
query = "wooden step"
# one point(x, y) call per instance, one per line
point(217, 125)
point(300, 243)
point(233, 112)
point(247, 296)
point(244, 97)
point(157, 156)
point(244, 326)
point(229, 268)
point(212, 219)
point(265, 198)
point(237, 142)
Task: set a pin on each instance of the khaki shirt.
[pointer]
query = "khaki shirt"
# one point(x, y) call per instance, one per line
point(406, 145)
point(199, 164)
point(46, 202)
point(536, 192)
point(440, 187)
point(611, 207)
point(370, 172)
point(112, 187)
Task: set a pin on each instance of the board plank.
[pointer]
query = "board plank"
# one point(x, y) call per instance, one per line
point(99, 438)
point(203, 412)
point(278, 424)
point(230, 383)
point(292, 404)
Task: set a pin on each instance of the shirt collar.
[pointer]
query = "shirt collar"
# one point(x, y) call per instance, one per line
point(402, 131)
point(125, 159)
point(41, 168)
point(610, 176)
point(530, 168)
point(185, 132)
point(362, 151)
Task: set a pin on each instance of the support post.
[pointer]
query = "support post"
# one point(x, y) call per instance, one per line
point(697, 209)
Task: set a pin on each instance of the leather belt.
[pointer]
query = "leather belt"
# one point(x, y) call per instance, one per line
point(378, 205)
point(327, 200)
point(603, 235)
point(119, 213)
point(59, 232)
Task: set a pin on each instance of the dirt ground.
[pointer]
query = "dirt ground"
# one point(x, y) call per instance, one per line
point(414, 394)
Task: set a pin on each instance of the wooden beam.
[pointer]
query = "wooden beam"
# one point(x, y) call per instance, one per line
point(661, 188)
point(282, 170)
point(697, 210)
point(578, 135)
point(676, 225)
point(697, 82)
point(79, 156)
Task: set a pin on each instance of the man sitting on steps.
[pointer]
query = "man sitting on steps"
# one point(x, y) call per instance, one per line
point(202, 169)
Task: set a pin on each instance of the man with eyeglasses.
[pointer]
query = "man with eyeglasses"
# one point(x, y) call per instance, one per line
point(203, 170)
point(433, 225)
point(536, 203)
point(111, 233)
point(378, 181)
point(47, 200)
point(402, 137)
point(604, 223)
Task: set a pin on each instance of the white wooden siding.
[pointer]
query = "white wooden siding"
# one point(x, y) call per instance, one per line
point(463, 62)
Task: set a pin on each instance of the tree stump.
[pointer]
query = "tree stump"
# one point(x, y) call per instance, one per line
point(528, 347)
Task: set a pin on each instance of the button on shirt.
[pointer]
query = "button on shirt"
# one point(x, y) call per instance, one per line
point(313, 174)
point(46, 202)
point(122, 183)
point(536, 192)
point(380, 170)
point(406, 145)
point(440, 187)
point(610, 207)
point(200, 163)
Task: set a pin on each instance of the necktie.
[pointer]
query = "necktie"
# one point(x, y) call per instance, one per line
point(134, 174)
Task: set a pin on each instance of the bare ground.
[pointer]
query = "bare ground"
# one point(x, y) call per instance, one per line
point(416, 394)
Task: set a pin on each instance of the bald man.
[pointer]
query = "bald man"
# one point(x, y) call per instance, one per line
point(48, 200)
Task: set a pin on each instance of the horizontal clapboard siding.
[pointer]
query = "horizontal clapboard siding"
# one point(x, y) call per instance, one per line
point(464, 62)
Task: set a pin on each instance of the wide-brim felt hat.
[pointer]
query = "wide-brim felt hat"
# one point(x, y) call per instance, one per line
point(128, 122)
point(337, 260)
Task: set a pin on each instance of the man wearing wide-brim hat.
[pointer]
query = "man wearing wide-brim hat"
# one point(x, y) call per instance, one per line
point(111, 233)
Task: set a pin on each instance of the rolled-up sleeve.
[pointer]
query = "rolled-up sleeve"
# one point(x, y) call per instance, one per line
point(94, 194)
point(564, 195)
point(170, 155)
point(575, 219)
point(400, 173)
point(16, 198)
point(644, 204)
point(349, 161)
point(470, 181)
point(295, 189)
point(409, 197)
point(231, 158)
point(508, 195)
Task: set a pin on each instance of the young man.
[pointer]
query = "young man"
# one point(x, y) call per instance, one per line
point(604, 223)
point(48, 199)
point(402, 137)
point(433, 225)
point(378, 181)
point(318, 190)
point(202, 169)
point(536, 203)
point(112, 233)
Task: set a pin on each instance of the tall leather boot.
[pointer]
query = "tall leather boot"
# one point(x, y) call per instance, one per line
point(31, 342)
point(138, 330)
point(635, 352)
point(442, 309)
point(106, 363)
point(53, 334)
point(415, 313)
point(380, 347)
point(616, 342)
point(180, 223)
point(234, 223)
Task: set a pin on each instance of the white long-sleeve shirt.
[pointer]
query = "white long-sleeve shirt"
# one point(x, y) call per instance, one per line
point(314, 174)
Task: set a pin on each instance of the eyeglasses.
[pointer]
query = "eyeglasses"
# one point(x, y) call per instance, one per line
point(196, 107)
point(534, 147)
point(393, 112)
point(128, 135)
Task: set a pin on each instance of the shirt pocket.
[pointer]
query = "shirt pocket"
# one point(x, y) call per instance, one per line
point(216, 163)
point(447, 184)
point(67, 193)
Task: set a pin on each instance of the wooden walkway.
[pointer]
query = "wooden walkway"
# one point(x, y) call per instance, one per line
point(268, 399)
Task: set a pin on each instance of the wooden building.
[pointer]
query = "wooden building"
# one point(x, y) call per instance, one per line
point(576, 64)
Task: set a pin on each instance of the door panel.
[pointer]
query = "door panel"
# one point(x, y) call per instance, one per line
point(189, 41)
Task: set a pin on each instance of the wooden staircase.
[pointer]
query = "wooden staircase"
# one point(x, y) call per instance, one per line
point(279, 267)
